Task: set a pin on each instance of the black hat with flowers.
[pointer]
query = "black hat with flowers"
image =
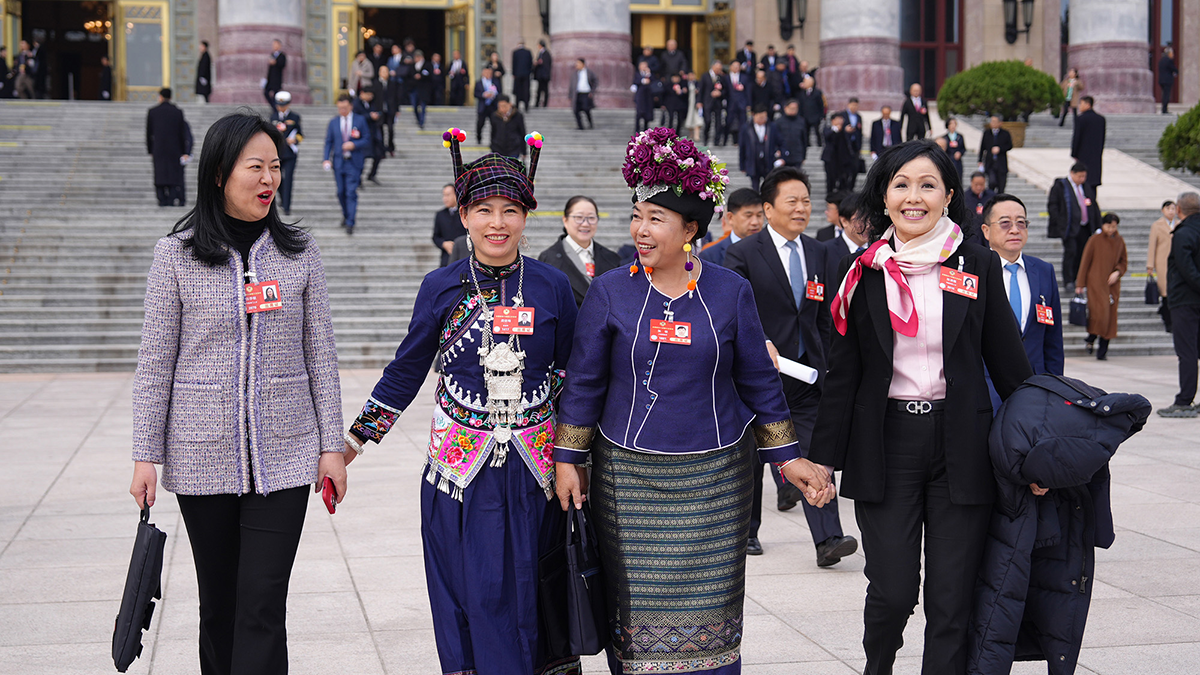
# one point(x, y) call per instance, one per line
point(662, 168)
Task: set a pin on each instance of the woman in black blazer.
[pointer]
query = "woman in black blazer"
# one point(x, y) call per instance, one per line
point(905, 411)
point(576, 253)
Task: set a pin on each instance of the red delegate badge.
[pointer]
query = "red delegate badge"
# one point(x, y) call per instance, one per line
point(961, 283)
point(591, 269)
point(671, 332)
point(814, 291)
point(263, 297)
point(512, 321)
point(1045, 315)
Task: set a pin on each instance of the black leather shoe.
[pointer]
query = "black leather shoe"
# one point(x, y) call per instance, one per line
point(788, 497)
point(753, 546)
point(832, 550)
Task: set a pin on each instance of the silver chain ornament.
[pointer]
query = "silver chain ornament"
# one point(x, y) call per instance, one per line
point(503, 364)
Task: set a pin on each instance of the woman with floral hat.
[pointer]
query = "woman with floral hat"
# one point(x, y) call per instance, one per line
point(662, 391)
point(500, 326)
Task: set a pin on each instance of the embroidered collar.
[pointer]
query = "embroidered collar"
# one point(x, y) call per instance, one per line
point(502, 272)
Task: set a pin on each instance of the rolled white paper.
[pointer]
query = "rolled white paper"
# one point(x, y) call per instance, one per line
point(798, 371)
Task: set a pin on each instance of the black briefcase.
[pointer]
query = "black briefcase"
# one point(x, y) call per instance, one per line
point(1152, 296)
point(1078, 313)
point(142, 585)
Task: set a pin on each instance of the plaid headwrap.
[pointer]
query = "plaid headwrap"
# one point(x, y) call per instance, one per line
point(494, 175)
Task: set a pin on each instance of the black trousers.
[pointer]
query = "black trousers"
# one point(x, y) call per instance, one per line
point(270, 96)
point(168, 195)
point(917, 501)
point(583, 104)
point(1185, 329)
point(734, 119)
point(825, 522)
point(458, 94)
point(542, 98)
point(521, 92)
point(1062, 118)
point(1073, 245)
point(997, 180)
point(244, 548)
point(814, 128)
point(714, 118)
point(1166, 95)
point(482, 116)
point(287, 170)
point(389, 123)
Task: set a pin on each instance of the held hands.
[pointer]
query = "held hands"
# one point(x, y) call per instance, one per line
point(1037, 489)
point(145, 484)
point(571, 484)
point(333, 464)
point(812, 480)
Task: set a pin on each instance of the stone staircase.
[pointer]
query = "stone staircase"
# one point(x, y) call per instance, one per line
point(78, 222)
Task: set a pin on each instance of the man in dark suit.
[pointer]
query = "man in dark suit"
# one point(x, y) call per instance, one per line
point(993, 154)
point(377, 56)
point(106, 79)
point(851, 238)
point(976, 196)
point(459, 77)
point(833, 222)
point(854, 122)
point(287, 122)
point(1167, 72)
point(582, 93)
point(840, 163)
point(204, 72)
point(522, 70)
point(769, 59)
point(390, 93)
point(1074, 216)
point(675, 62)
point(785, 270)
point(916, 111)
point(650, 60)
point(714, 93)
point(486, 92)
point(447, 226)
point(417, 85)
point(812, 108)
point(760, 148)
point(6, 75)
point(740, 90)
point(169, 142)
point(347, 141)
point(543, 65)
point(508, 129)
point(1029, 284)
point(275, 65)
point(885, 132)
point(437, 81)
point(1087, 141)
point(747, 57)
point(742, 218)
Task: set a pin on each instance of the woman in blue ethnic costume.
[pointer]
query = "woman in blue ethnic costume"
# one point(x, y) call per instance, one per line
point(486, 503)
point(662, 390)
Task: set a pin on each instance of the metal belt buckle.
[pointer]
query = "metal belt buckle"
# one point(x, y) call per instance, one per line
point(919, 407)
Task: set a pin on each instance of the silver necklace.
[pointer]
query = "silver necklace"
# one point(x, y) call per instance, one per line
point(503, 364)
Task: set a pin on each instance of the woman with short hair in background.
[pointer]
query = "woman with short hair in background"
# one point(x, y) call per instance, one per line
point(576, 252)
point(1104, 262)
point(236, 396)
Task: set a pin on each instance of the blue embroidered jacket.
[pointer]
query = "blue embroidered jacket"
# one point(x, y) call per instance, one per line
point(446, 324)
point(669, 398)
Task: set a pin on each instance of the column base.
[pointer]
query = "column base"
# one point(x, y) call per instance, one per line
point(242, 64)
point(865, 67)
point(606, 55)
point(1116, 74)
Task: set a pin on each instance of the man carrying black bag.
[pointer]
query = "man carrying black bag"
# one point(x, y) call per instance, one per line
point(142, 585)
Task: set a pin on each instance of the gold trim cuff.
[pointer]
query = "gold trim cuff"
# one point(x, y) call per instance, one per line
point(775, 434)
point(571, 437)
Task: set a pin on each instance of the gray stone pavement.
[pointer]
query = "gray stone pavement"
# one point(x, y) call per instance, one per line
point(358, 601)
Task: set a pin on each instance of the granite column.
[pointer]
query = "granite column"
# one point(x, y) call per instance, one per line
point(860, 53)
point(598, 32)
point(1109, 48)
point(245, 30)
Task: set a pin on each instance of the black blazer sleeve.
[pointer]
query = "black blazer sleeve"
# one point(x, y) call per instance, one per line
point(1002, 348)
point(830, 440)
point(1056, 207)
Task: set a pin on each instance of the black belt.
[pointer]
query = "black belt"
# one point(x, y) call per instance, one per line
point(917, 407)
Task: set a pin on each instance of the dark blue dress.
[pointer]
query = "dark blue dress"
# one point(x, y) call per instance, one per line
point(486, 517)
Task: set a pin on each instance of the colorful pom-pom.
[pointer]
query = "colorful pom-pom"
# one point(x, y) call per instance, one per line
point(446, 136)
point(688, 265)
point(537, 136)
point(633, 269)
point(649, 270)
point(445, 144)
point(537, 144)
point(691, 284)
point(462, 136)
point(687, 248)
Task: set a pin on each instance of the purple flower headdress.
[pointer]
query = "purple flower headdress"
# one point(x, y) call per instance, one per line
point(657, 160)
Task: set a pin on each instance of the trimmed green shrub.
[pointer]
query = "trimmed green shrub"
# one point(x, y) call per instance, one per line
point(1179, 147)
point(1009, 89)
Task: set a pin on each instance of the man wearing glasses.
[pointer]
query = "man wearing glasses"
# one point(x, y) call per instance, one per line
point(1030, 284)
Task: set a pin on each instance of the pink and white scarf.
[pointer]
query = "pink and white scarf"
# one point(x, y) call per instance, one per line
point(916, 257)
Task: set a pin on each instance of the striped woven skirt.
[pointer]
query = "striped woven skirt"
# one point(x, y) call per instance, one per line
point(672, 532)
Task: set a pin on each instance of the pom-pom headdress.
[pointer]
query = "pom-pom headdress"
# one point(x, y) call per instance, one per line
point(493, 174)
point(664, 169)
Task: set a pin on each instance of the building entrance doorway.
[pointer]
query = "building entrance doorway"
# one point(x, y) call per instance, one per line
point(388, 25)
point(73, 37)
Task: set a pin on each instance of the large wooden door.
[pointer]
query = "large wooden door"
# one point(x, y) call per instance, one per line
point(930, 42)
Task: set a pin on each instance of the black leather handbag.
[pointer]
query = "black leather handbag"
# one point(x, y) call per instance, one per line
point(142, 585)
point(1152, 296)
point(572, 593)
point(1079, 314)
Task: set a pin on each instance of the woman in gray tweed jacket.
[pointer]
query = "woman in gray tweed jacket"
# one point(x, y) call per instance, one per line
point(237, 394)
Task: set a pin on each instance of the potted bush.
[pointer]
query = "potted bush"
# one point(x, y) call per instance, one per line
point(1179, 147)
point(1009, 89)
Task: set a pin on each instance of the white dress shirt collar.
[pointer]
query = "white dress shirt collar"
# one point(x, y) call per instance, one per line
point(785, 252)
point(587, 255)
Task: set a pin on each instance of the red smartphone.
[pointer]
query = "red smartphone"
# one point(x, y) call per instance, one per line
point(329, 494)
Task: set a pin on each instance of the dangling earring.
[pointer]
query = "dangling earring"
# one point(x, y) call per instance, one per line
point(885, 213)
point(691, 284)
point(524, 243)
point(946, 211)
point(470, 244)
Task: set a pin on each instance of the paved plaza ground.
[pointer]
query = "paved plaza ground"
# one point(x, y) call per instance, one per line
point(358, 603)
